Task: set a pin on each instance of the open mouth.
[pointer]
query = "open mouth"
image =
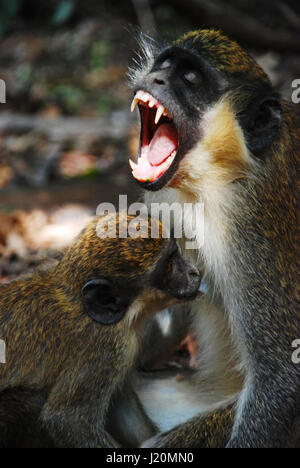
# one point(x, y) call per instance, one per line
point(159, 139)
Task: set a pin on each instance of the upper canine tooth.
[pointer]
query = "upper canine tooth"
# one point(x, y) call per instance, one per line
point(159, 113)
point(134, 103)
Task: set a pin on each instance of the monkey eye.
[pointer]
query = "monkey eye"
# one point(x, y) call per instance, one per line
point(169, 268)
point(192, 77)
point(166, 64)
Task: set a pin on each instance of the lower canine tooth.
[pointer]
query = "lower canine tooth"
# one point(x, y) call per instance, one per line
point(159, 113)
point(132, 165)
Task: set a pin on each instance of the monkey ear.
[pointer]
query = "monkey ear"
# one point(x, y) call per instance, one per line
point(101, 302)
point(263, 122)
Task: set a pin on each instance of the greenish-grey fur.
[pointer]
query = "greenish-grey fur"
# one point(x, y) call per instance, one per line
point(251, 252)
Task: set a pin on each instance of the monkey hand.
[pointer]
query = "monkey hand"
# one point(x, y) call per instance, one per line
point(176, 438)
point(158, 441)
point(180, 437)
point(212, 431)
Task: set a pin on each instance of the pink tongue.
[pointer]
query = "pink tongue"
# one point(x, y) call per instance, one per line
point(163, 143)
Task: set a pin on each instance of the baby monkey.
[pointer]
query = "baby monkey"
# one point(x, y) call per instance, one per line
point(72, 332)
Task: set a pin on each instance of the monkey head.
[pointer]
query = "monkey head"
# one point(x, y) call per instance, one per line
point(206, 109)
point(136, 274)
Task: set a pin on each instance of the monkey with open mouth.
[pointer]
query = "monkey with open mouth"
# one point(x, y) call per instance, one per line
point(214, 131)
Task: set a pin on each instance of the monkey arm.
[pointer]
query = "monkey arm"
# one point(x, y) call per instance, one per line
point(267, 415)
point(73, 415)
point(19, 412)
point(127, 420)
point(211, 431)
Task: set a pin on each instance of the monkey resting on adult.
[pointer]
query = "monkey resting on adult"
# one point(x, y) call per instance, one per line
point(214, 131)
point(72, 336)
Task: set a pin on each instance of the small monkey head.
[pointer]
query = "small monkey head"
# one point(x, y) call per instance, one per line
point(116, 273)
point(202, 92)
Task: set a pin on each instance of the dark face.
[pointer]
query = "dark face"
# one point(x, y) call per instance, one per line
point(107, 300)
point(183, 82)
point(174, 275)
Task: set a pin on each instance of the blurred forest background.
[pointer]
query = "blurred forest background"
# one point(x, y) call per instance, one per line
point(66, 130)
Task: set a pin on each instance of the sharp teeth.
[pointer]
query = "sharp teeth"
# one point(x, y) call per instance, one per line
point(139, 95)
point(132, 165)
point(145, 97)
point(134, 103)
point(159, 113)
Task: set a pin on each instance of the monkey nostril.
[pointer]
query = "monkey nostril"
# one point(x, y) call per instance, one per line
point(193, 273)
point(158, 81)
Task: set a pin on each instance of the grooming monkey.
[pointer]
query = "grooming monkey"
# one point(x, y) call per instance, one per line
point(213, 130)
point(72, 335)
